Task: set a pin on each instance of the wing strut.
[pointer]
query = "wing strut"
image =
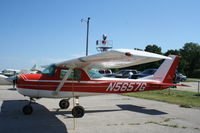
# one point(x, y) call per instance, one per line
point(62, 82)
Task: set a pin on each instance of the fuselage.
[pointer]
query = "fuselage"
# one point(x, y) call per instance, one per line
point(83, 83)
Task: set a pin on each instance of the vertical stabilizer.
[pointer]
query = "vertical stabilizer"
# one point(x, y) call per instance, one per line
point(166, 72)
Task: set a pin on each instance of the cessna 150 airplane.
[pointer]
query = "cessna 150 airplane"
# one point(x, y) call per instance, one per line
point(76, 78)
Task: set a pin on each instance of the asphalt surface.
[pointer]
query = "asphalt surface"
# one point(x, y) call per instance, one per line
point(104, 114)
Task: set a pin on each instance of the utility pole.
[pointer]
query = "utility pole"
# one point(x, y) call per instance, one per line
point(87, 36)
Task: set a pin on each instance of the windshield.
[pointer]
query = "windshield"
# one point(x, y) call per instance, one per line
point(50, 70)
point(94, 74)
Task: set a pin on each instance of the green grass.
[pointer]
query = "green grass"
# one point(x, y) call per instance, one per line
point(192, 80)
point(162, 124)
point(183, 98)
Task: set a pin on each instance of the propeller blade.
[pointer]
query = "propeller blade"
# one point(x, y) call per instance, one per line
point(11, 79)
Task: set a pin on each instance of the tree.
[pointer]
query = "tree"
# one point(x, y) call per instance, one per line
point(153, 48)
point(189, 63)
point(182, 61)
point(172, 52)
point(191, 56)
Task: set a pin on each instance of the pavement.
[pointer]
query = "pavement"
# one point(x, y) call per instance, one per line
point(193, 86)
point(104, 114)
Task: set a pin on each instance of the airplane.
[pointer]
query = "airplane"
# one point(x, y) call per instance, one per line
point(3, 79)
point(77, 78)
point(10, 72)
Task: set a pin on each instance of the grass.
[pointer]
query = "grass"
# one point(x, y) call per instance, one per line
point(123, 124)
point(183, 98)
point(162, 124)
point(192, 80)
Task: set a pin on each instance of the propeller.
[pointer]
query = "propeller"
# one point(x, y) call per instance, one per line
point(13, 80)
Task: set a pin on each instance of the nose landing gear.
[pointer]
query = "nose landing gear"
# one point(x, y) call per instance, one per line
point(28, 109)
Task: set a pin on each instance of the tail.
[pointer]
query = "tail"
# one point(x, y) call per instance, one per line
point(166, 72)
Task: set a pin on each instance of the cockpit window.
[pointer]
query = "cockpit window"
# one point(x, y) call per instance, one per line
point(76, 74)
point(94, 74)
point(50, 70)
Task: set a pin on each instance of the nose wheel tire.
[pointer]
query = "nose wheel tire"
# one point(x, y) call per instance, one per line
point(78, 111)
point(64, 103)
point(27, 109)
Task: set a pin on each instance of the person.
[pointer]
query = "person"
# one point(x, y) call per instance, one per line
point(130, 74)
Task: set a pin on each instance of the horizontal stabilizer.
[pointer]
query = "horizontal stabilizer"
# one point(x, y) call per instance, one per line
point(169, 84)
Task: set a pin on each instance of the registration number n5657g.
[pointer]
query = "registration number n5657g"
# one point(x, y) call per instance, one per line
point(120, 86)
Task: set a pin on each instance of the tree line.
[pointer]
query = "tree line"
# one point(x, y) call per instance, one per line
point(189, 63)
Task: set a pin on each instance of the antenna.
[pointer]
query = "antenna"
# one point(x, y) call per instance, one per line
point(87, 35)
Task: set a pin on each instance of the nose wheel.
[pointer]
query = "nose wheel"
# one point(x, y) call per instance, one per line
point(64, 103)
point(28, 109)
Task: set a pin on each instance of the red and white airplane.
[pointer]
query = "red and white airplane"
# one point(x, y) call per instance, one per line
point(77, 78)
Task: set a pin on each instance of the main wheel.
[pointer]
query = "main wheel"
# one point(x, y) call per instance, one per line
point(27, 109)
point(64, 103)
point(78, 111)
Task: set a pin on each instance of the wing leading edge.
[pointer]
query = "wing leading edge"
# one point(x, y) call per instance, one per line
point(118, 58)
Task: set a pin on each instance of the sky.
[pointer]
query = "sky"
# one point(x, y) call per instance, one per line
point(49, 31)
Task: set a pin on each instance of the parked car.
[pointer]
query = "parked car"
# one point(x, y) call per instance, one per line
point(105, 73)
point(146, 72)
point(180, 77)
point(124, 73)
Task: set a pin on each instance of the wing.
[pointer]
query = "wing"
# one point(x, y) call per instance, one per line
point(118, 58)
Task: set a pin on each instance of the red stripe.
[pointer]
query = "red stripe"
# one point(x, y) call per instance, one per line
point(92, 88)
point(171, 73)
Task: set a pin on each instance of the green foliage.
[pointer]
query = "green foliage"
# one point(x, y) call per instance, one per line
point(196, 73)
point(191, 58)
point(189, 63)
point(172, 52)
point(183, 98)
point(153, 48)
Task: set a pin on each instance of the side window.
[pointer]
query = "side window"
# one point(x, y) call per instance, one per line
point(63, 72)
point(76, 74)
point(94, 74)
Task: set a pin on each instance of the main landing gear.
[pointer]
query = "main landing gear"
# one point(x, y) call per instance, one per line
point(64, 103)
point(77, 111)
